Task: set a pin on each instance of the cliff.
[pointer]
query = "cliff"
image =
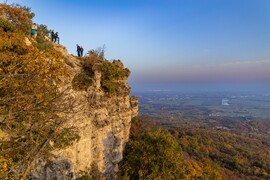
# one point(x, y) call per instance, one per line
point(60, 115)
point(101, 118)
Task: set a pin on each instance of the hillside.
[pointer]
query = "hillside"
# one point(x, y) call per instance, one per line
point(192, 153)
point(60, 115)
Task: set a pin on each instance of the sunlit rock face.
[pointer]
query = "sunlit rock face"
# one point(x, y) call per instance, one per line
point(103, 122)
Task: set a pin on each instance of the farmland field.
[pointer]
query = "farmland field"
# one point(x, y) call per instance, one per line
point(246, 106)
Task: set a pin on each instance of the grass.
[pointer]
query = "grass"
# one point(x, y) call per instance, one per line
point(69, 63)
point(43, 44)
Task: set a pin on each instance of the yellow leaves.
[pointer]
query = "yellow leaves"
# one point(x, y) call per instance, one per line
point(19, 16)
point(227, 146)
point(192, 169)
point(30, 100)
point(212, 171)
point(5, 166)
point(28, 76)
point(40, 96)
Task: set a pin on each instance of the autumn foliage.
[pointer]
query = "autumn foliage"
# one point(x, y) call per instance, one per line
point(31, 103)
point(19, 17)
point(192, 153)
point(155, 153)
point(113, 74)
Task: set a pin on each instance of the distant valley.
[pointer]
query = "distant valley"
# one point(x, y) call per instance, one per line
point(245, 113)
point(219, 105)
point(221, 135)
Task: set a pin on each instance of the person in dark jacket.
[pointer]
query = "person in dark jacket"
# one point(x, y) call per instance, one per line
point(78, 50)
point(81, 50)
point(52, 35)
point(56, 38)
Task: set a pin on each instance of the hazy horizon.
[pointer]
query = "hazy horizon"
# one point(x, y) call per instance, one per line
point(200, 87)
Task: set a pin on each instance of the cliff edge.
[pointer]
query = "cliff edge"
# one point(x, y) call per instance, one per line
point(60, 115)
point(101, 115)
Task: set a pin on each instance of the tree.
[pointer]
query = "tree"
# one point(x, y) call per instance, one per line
point(33, 109)
point(155, 155)
point(19, 16)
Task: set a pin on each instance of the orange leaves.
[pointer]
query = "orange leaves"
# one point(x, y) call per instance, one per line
point(27, 80)
point(19, 16)
point(5, 166)
point(30, 99)
point(192, 169)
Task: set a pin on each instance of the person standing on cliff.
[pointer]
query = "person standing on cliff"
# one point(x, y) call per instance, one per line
point(34, 30)
point(56, 37)
point(78, 50)
point(81, 50)
point(52, 35)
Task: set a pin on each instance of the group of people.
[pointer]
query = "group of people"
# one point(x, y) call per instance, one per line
point(79, 50)
point(54, 37)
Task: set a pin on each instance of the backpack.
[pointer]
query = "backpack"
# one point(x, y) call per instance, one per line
point(33, 32)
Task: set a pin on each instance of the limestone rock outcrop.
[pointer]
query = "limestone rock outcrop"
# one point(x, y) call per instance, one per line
point(103, 122)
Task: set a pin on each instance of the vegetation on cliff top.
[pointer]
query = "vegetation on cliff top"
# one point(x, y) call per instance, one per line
point(31, 105)
point(112, 73)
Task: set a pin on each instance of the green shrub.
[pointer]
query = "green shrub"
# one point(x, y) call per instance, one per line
point(112, 73)
point(7, 25)
point(42, 44)
point(91, 63)
point(92, 174)
point(81, 81)
point(43, 30)
point(65, 138)
point(110, 87)
point(154, 155)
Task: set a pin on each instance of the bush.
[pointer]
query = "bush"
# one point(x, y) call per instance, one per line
point(152, 154)
point(81, 81)
point(112, 73)
point(43, 44)
point(7, 25)
point(92, 174)
point(19, 16)
point(43, 30)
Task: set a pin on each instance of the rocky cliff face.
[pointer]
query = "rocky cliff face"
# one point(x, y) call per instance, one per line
point(103, 122)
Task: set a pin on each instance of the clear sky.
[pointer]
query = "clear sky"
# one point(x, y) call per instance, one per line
point(168, 41)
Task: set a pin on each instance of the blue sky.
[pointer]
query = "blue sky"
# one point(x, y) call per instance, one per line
point(168, 41)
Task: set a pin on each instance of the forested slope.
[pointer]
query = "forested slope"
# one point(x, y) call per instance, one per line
point(192, 153)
